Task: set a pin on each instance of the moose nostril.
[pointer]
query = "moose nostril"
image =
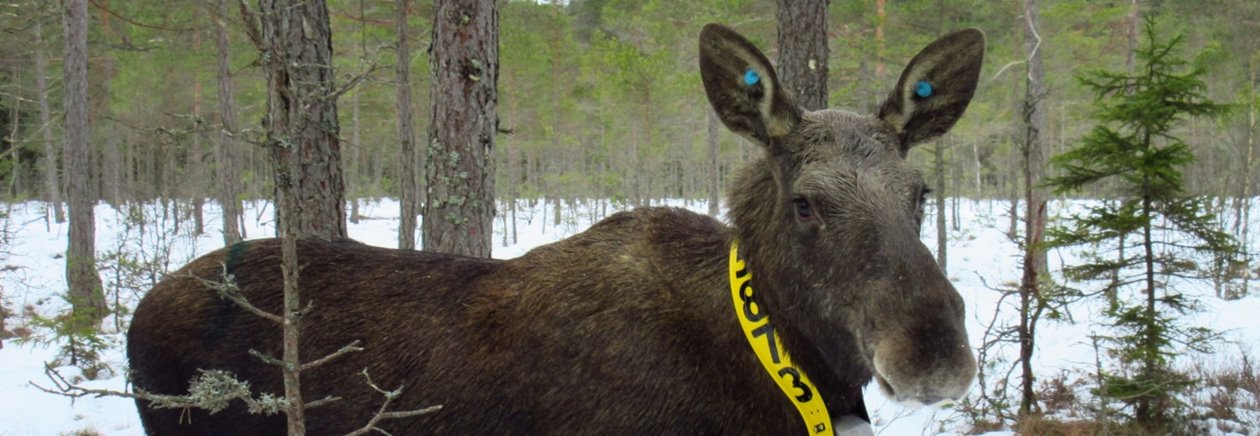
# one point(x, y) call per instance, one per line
point(929, 400)
point(888, 389)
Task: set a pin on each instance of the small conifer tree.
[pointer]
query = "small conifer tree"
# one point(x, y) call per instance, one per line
point(1134, 148)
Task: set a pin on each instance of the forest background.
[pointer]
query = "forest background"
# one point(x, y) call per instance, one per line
point(599, 99)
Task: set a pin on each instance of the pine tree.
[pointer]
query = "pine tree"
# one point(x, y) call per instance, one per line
point(1134, 149)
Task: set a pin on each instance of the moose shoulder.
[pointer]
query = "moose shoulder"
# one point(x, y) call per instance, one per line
point(630, 326)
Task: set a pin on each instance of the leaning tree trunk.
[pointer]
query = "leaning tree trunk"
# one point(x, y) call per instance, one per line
point(225, 152)
point(802, 62)
point(406, 135)
point(459, 213)
point(86, 294)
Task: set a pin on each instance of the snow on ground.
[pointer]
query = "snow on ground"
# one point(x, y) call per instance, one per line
point(980, 257)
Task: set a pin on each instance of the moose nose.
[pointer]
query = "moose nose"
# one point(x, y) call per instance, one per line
point(933, 400)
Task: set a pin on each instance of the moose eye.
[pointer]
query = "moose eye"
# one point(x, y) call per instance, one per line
point(803, 209)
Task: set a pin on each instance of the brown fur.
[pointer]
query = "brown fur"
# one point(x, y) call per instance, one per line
point(627, 327)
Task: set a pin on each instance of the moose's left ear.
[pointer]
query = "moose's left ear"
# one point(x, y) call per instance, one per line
point(935, 88)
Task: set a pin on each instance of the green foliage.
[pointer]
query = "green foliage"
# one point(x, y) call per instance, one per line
point(1135, 148)
point(79, 337)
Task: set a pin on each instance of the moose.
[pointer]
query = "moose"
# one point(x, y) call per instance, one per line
point(636, 325)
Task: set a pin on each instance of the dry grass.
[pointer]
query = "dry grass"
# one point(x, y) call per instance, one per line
point(1230, 393)
point(1039, 425)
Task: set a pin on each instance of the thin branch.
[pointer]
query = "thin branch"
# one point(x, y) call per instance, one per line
point(382, 414)
point(349, 348)
point(350, 84)
point(210, 390)
point(228, 289)
point(320, 402)
point(1004, 67)
point(137, 23)
point(251, 25)
point(67, 389)
point(265, 358)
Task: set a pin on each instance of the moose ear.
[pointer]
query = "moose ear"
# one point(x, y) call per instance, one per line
point(935, 88)
point(743, 88)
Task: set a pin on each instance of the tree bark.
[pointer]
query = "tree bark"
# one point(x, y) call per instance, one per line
point(1034, 201)
point(229, 178)
point(301, 115)
point(52, 177)
point(85, 290)
point(406, 135)
point(459, 213)
point(802, 65)
point(302, 135)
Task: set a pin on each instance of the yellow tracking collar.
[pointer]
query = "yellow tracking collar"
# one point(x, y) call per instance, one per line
point(760, 334)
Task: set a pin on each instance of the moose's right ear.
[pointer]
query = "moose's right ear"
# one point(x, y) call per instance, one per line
point(743, 88)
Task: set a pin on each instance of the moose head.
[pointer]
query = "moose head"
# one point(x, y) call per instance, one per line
point(829, 218)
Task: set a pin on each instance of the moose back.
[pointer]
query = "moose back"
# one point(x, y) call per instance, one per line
point(630, 326)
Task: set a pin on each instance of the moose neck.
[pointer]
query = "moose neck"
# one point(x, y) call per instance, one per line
point(825, 348)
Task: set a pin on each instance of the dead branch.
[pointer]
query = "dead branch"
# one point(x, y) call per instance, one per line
point(349, 348)
point(383, 414)
point(227, 289)
point(354, 81)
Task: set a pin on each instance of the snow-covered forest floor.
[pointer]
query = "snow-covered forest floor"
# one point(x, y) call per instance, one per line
point(136, 247)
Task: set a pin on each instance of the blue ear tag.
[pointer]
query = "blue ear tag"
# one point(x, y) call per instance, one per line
point(751, 77)
point(923, 89)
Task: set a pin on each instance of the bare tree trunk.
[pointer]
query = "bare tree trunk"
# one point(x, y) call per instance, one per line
point(110, 184)
point(802, 42)
point(514, 176)
point(356, 143)
point(86, 294)
point(406, 135)
point(880, 19)
point(942, 234)
point(715, 166)
point(301, 115)
point(302, 134)
point(1034, 198)
point(195, 163)
point(975, 161)
point(52, 178)
point(1134, 22)
point(1244, 236)
point(229, 178)
point(459, 211)
point(1145, 412)
point(15, 186)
